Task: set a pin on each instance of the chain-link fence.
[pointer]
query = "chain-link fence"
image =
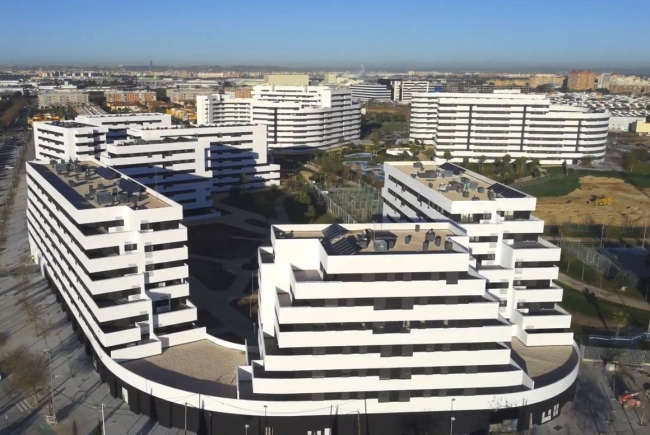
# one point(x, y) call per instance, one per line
point(352, 204)
point(596, 230)
point(523, 184)
point(593, 256)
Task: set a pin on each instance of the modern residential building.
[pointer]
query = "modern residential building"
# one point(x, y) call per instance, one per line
point(401, 90)
point(620, 84)
point(119, 123)
point(131, 96)
point(363, 328)
point(403, 322)
point(492, 125)
point(187, 94)
point(641, 126)
point(61, 98)
point(65, 140)
point(287, 79)
point(186, 163)
point(298, 118)
point(115, 251)
point(370, 91)
point(190, 163)
point(582, 80)
point(546, 79)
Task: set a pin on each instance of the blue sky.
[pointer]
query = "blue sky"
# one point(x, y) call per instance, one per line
point(452, 34)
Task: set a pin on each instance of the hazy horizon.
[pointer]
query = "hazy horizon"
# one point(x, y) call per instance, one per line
point(472, 35)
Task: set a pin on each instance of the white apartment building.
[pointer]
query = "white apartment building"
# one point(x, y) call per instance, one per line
point(187, 94)
point(492, 125)
point(115, 251)
point(369, 91)
point(119, 123)
point(405, 89)
point(393, 320)
point(61, 98)
point(189, 163)
point(505, 239)
point(185, 163)
point(64, 140)
point(298, 118)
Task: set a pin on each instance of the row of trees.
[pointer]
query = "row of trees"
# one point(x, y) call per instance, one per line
point(504, 165)
point(634, 159)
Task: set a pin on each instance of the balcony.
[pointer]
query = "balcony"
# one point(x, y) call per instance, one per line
point(166, 255)
point(183, 314)
point(120, 309)
point(556, 318)
point(531, 273)
point(550, 294)
point(560, 337)
point(118, 336)
point(539, 250)
point(168, 274)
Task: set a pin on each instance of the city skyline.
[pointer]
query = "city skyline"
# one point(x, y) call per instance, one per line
point(464, 36)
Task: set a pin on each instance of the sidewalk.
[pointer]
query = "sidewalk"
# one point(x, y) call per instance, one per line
point(616, 298)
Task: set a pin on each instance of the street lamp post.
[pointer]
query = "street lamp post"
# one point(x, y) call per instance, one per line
point(49, 353)
point(451, 418)
point(266, 421)
point(645, 227)
point(246, 428)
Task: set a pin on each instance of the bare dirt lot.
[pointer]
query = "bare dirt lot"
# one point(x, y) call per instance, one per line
point(399, 110)
point(12, 112)
point(627, 208)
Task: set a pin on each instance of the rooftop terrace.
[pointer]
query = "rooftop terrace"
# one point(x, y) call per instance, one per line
point(456, 183)
point(83, 187)
point(201, 367)
point(544, 364)
point(340, 240)
point(69, 124)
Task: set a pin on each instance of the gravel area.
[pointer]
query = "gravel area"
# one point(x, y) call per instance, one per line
point(201, 367)
point(541, 360)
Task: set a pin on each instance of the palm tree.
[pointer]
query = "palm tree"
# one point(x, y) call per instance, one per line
point(621, 319)
point(506, 159)
point(534, 164)
point(481, 160)
point(447, 155)
point(243, 181)
point(520, 165)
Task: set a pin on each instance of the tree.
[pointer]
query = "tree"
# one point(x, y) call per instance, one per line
point(506, 160)
point(587, 161)
point(311, 212)
point(43, 327)
point(466, 162)
point(625, 279)
point(534, 165)
point(481, 160)
point(520, 165)
point(447, 155)
point(243, 181)
point(621, 319)
point(31, 374)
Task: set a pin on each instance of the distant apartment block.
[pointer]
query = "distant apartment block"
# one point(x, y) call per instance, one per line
point(184, 94)
point(61, 98)
point(546, 79)
point(492, 125)
point(582, 80)
point(190, 163)
point(287, 79)
point(369, 91)
point(401, 90)
point(186, 163)
point(119, 123)
point(297, 118)
point(137, 96)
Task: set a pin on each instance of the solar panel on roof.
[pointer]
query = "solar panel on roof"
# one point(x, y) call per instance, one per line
point(506, 191)
point(128, 186)
point(106, 173)
point(334, 231)
point(343, 247)
point(457, 170)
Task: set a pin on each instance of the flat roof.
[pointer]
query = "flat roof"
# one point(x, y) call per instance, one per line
point(76, 192)
point(201, 367)
point(338, 240)
point(543, 364)
point(69, 124)
point(453, 182)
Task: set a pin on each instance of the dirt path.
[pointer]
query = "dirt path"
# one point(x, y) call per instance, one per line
point(12, 112)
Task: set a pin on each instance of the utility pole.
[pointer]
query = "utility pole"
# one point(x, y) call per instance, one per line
point(185, 418)
point(451, 418)
point(645, 226)
point(103, 421)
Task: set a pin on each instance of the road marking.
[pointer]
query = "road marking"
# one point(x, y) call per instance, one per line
point(24, 405)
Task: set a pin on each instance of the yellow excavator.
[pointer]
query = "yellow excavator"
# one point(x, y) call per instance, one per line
point(602, 200)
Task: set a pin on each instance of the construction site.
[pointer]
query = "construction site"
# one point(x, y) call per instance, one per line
point(598, 201)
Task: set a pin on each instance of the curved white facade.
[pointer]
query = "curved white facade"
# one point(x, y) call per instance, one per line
point(296, 117)
point(492, 125)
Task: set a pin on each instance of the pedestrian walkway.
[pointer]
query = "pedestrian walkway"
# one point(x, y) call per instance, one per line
point(616, 298)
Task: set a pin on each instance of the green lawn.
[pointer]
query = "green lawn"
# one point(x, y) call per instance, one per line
point(212, 275)
point(259, 201)
point(575, 301)
point(591, 276)
point(564, 186)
